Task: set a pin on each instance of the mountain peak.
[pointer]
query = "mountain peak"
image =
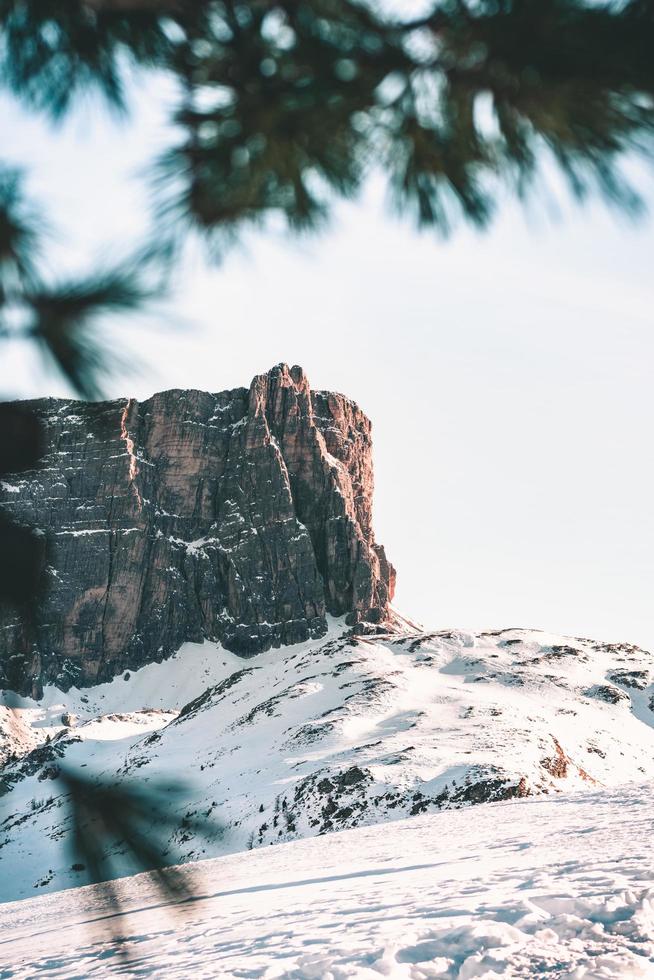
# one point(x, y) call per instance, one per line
point(243, 516)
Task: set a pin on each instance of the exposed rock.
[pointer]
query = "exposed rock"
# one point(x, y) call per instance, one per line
point(243, 516)
point(491, 790)
point(608, 693)
point(560, 765)
point(638, 679)
point(351, 777)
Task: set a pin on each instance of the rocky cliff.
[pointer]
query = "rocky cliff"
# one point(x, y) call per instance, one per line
point(242, 516)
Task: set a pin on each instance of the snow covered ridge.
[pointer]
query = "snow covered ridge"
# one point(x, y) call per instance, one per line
point(557, 887)
point(328, 735)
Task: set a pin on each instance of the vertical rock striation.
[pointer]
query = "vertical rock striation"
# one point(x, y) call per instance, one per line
point(242, 516)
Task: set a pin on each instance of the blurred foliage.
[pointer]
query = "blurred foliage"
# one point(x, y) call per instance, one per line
point(139, 821)
point(285, 103)
point(19, 234)
point(62, 314)
point(53, 52)
point(58, 316)
point(22, 548)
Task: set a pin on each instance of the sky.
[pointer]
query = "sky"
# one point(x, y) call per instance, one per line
point(508, 374)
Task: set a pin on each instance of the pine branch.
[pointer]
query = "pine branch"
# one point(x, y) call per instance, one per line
point(141, 821)
point(21, 230)
point(300, 112)
point(53, 52)
point(63, 318)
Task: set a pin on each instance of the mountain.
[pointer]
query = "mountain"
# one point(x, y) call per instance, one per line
point(216, 628)
point(333, 733)
point(243, 517)
point(550, 887)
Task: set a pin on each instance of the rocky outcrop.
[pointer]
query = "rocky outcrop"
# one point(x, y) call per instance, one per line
point(242, 516)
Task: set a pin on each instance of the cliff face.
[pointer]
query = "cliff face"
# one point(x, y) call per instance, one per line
point(243, 516)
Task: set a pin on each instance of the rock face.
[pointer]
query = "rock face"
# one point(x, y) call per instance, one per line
point(242, 516)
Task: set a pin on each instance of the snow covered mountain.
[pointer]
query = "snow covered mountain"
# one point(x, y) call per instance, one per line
point(333, 733)
point(556, 887)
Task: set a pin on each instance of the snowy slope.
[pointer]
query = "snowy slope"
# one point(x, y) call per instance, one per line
point(559, 887)
point(331, 734)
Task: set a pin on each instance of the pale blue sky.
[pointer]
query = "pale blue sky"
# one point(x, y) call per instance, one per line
point(508, 375)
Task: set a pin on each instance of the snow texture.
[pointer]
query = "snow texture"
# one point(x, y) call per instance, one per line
point(558, 887)
point(324, 736)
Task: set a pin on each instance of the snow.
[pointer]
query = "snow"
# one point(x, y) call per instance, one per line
point(84, 533)
point(331, 734)
point(197, 545)
point(549, 886)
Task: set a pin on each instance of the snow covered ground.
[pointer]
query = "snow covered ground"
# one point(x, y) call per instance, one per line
point(559, 887)
point(333, 734)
